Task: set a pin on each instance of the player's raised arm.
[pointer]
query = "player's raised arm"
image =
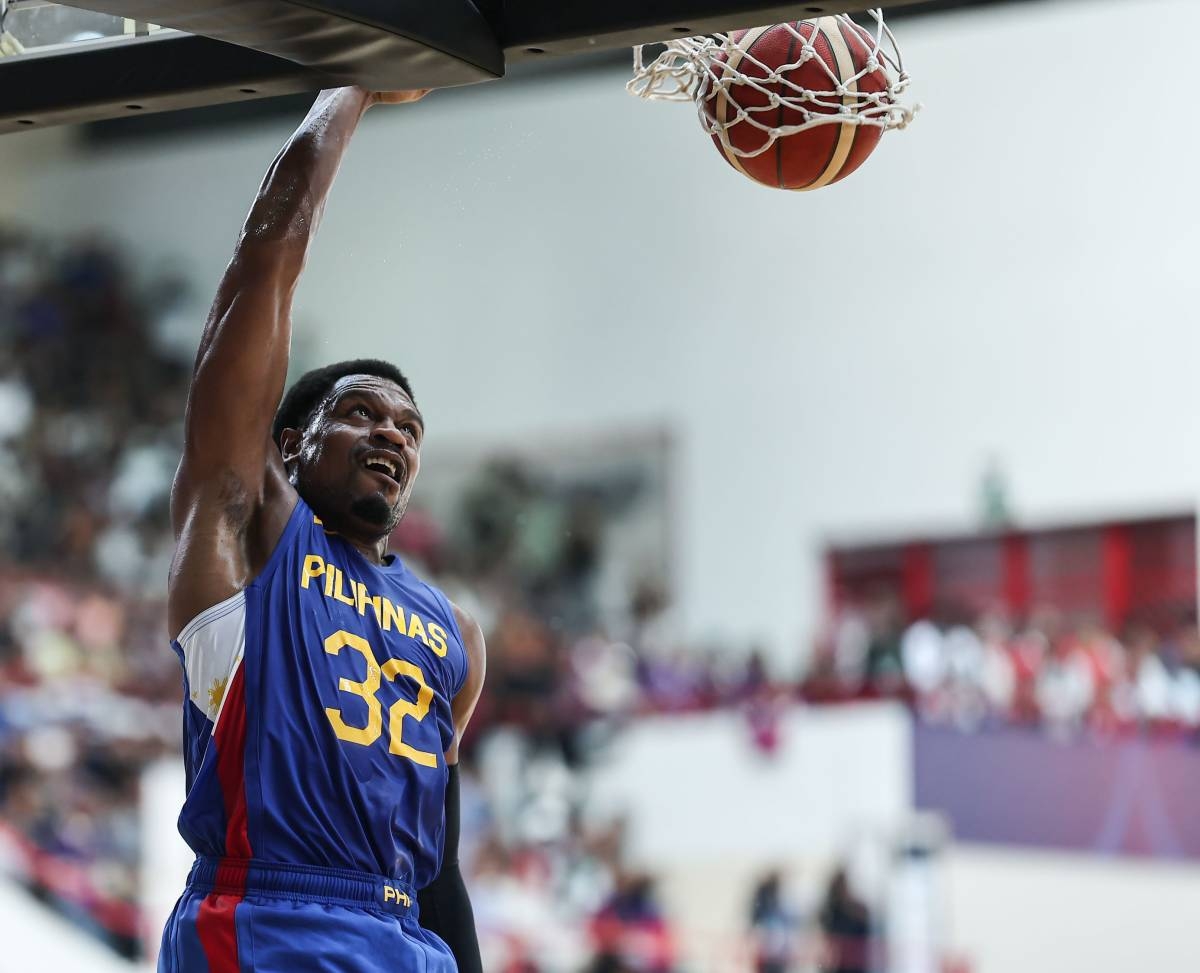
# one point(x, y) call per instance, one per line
point(231, 499)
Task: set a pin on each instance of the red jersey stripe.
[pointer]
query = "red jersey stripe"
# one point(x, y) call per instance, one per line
point(215, 923)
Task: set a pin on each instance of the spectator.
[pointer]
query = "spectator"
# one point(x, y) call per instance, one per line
point(774, 927)
point(1066, 685)
point(631, 932)
point(923, 657)
point(1143, 683)
point(847, 927)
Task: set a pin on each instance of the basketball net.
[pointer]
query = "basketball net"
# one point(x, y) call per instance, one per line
point(9, 45)
point(692, 68)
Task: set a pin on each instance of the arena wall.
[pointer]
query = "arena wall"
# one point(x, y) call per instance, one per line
point(1043, 912)
point(36, 939)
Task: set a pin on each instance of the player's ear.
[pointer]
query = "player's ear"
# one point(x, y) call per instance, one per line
point(289, 445)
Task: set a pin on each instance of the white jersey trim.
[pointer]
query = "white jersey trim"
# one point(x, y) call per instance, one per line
point(213, 644)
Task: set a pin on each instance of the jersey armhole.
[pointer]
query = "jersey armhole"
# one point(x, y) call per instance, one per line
point(285, 539)
point(300, 513)
point(211, 647)
point(187, 635)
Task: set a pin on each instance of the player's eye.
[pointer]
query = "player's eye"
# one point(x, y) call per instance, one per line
point(362, 410)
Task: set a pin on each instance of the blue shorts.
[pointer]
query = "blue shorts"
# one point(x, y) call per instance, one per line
point(239, 916)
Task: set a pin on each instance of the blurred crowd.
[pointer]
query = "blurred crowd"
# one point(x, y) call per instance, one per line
point(89, 431)
point(842, 935)
point(1067, 677)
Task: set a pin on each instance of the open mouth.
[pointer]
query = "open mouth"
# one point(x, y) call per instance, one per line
point(388, 465)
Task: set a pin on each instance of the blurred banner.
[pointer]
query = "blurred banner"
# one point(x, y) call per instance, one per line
point(1135, 795)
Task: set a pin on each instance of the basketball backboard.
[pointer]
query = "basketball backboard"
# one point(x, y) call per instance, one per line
point(99, 59)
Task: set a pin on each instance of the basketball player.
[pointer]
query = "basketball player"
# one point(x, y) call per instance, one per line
point(327, 686)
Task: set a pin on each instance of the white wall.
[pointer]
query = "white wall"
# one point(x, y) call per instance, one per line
point(698, 792)
point(1013, 276)
point(37, 939)
point(1044, 913)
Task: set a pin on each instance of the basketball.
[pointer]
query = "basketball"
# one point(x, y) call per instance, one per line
point(771, 80)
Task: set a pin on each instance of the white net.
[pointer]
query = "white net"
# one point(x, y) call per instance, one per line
point(40, 27)
point(702, 69)
point(9, 45)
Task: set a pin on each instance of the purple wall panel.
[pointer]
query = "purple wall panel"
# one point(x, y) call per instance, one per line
point(1016, 786)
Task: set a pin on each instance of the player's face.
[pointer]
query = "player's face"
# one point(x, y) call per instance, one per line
point(359, 457)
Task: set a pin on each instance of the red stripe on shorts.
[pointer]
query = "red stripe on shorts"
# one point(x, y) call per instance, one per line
point(215, 921)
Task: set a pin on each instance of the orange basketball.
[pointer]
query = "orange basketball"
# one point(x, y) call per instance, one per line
point(757, 68)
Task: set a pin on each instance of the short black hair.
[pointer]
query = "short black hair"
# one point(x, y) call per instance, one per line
point(310, 389)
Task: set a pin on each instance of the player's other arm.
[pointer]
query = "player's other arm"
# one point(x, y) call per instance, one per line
point(445, 905)
point(231, 499)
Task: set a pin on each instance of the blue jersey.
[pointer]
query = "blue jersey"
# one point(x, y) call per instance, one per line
point(318, 713)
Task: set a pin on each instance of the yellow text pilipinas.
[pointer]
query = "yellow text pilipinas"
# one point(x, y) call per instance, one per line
point(354, 593)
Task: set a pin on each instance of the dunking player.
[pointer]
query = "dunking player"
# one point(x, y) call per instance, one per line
point(327, 687)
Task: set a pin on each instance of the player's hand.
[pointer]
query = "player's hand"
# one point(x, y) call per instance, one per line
point(398, 97)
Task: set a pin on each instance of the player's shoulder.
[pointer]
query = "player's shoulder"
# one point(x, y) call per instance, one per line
point(469, 629)
point(434, 593)
point(474, 648)
point(470, 638)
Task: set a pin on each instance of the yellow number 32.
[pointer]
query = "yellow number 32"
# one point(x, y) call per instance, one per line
point(366, 691)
